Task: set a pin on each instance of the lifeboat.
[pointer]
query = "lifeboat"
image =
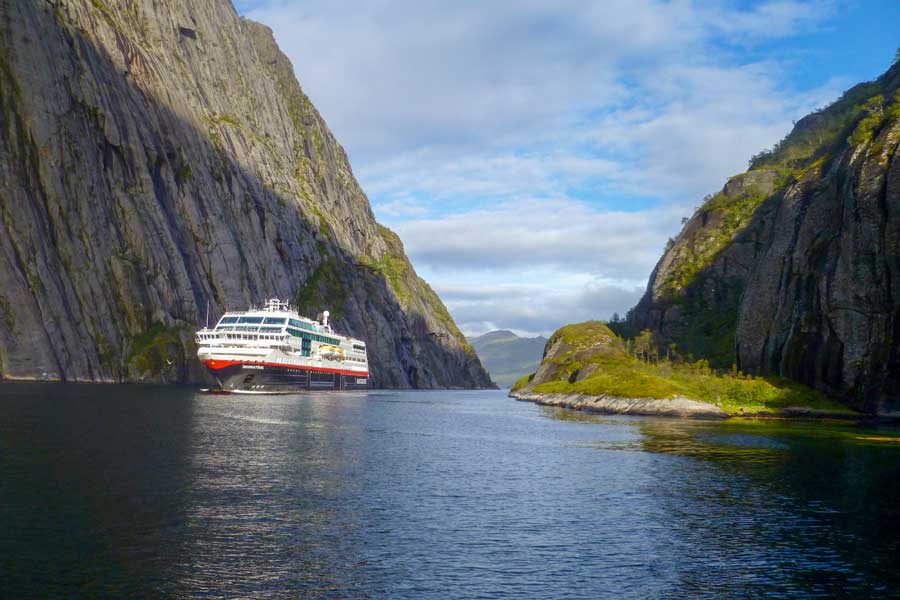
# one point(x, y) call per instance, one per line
point(331, 352)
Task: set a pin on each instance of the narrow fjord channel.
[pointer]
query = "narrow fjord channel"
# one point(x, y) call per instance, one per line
point(153, 491)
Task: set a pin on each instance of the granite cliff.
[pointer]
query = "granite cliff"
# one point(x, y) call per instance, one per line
point(158, 156)
point(793, 269)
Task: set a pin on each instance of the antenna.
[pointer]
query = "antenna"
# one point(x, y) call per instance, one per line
point(207, 313)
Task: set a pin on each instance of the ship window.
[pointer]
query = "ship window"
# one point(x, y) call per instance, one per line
point(270, 330)
point(273, 321)
point(225, 320)
point(359, 347)
point(302, 325)
point(256, 320)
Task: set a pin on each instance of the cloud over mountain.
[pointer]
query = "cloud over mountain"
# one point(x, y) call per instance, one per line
point(565, 140)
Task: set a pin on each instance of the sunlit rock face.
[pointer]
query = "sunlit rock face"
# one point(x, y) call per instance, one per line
point(159, 157)
point(794, 268)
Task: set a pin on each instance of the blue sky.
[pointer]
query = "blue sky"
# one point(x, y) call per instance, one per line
point(535, 156)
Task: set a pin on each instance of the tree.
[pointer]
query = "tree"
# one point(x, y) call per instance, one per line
point(897, 56)
point(671, 351)
point(643, 344)
point(615, 318)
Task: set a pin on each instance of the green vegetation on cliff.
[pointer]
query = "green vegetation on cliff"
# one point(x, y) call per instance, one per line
point(155, 350)
point(392, 264)
point(697, 292)
point(409, 288)
point(854, 118)
point(588, 358)
point(733, 213)
point(325, 289)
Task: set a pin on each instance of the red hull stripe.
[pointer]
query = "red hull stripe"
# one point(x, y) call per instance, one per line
point(217, 365)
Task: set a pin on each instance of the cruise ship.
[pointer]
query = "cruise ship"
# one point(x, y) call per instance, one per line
point(274, 350)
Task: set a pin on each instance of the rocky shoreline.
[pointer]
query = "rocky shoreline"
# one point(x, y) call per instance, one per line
point(612, 405)
point(673, 407)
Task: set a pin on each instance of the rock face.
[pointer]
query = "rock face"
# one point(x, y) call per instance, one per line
point(794, 268)
point(159, 156)
point(507, 356)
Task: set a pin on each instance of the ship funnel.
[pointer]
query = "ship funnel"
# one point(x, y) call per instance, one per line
point(325, 316)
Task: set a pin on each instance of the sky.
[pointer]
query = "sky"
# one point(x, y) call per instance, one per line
point(534, 157)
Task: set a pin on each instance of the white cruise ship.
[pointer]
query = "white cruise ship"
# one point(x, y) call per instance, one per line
point(275, 350)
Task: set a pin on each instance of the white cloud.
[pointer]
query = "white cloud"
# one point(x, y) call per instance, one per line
point(533, 309)
point(401, 75)
point(564, 235)
point(778, 18)
point(551, 142)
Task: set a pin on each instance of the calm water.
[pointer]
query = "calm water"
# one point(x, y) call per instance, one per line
point(161, 492)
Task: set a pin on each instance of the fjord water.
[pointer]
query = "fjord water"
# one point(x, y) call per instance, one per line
point(156, 492)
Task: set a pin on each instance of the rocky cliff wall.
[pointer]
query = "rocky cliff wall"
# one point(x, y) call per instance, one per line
point(159, 155)
point(794, 267)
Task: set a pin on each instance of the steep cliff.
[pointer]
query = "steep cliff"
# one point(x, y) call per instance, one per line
point(793, 268)
point(158, 155)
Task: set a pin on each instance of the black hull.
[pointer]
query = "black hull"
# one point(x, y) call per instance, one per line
point(269, 379)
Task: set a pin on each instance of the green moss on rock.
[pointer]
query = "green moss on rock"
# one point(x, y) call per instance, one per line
point(733, 213)
point(153, 350)
point(325, 289)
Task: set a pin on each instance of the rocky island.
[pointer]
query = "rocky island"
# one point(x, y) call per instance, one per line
point(159, 158)
point(586, 366)
point(781, 294)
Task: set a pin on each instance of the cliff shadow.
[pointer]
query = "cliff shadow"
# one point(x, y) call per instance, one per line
point(130, 220)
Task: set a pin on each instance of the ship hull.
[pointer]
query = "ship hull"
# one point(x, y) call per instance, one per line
point(267, 378)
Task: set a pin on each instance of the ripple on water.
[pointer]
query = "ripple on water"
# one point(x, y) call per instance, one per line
point(134, 491)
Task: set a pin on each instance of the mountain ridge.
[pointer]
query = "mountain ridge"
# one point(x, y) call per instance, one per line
point(793, 268)
point(508, 356)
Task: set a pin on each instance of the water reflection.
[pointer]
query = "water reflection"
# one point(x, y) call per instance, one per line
point(791, 508)
point(264, 504)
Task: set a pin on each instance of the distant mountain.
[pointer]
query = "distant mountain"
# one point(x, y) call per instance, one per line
point(507, 356)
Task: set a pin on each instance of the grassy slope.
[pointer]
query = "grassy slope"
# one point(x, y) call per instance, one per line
point(620, 374)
